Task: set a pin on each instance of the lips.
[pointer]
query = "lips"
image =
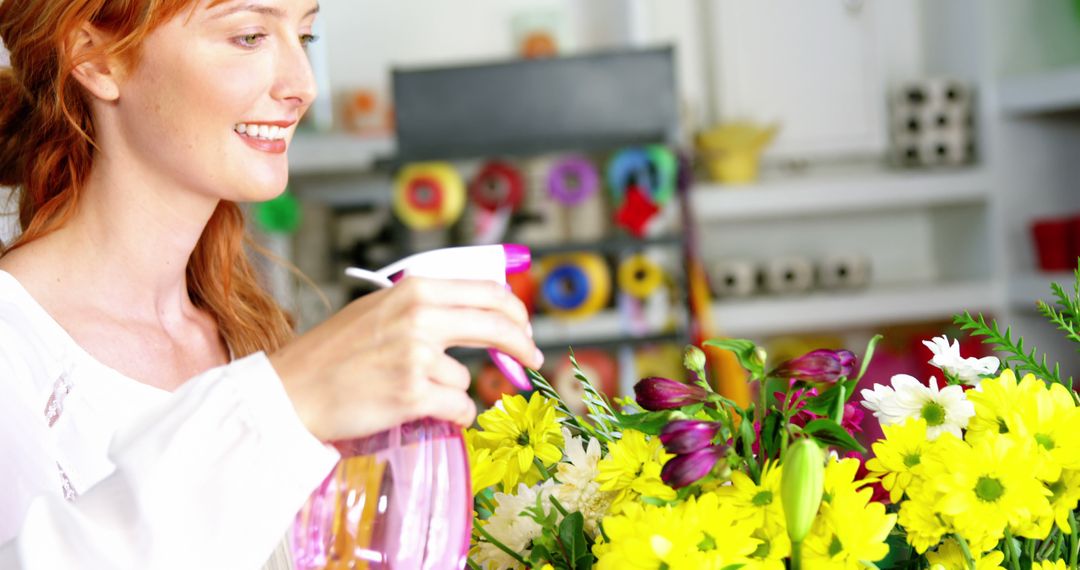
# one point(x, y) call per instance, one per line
point(265, 136)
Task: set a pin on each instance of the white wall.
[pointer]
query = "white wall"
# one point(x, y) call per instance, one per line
point(364, 40)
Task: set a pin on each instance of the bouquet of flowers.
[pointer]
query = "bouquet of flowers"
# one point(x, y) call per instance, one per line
point(978, 472)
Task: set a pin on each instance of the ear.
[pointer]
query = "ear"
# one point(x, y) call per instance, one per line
point(97, 72)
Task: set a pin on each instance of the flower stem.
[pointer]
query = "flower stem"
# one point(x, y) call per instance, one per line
point(1072, 540)
point(501, 546)
point(1011, 552)
point(1044, 548)
point(543, 470)
point(967, 551)
point(796, 555)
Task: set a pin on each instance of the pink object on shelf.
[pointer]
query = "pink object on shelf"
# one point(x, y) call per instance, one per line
point(1053, 249)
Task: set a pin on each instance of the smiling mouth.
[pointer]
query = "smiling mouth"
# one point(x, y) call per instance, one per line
point(261, 131)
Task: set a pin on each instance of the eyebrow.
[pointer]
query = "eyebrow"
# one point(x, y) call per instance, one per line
point(260, 9)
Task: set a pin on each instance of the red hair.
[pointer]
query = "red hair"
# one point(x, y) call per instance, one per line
point(47, 150)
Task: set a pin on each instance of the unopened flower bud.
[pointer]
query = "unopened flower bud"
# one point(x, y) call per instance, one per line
point(694, 358)
point(759, 356)
point(802, 482)
point(818, 367)
point(655, 394)
point(686, 469)
point(686, 436)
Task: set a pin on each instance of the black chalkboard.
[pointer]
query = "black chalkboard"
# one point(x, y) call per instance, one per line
point(590, 102)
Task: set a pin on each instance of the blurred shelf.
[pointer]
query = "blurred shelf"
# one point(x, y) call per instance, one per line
point(605, 329)
point(314, 153)
point(1049, 91)
point(611, 245)
point(344, 190)
point(1025, 290)
point(839, 191)
point(828, 311)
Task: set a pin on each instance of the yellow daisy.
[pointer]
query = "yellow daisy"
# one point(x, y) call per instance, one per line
point(1049, 565)
point(995, 403)
point(758, 503)
point(898, 455)
point(951, 557)
point(483, 467)
point(987, 486)
point(632, 469)
point(519, 431)
point(849, 530)
point(1050, 420)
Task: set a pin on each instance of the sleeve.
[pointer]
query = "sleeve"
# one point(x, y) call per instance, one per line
point(210, 480)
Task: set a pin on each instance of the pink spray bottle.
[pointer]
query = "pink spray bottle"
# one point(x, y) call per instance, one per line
point(402, 498)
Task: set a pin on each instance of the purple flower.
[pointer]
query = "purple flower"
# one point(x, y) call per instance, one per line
point(685, 469)
point(655, 394)
point(818, 367)
point(686, 436)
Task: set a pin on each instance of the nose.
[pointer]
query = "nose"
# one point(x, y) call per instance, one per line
point(295, 82)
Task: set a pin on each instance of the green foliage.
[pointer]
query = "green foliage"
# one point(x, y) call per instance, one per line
point(1014, 354)
point(605, 422)
point(745, 350)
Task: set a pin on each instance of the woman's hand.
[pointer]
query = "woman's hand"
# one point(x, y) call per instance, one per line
point(381, 360)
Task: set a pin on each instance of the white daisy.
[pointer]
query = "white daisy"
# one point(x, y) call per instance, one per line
point(967, 370)
point(945, 410)
point(510, 526)
point(579, 490)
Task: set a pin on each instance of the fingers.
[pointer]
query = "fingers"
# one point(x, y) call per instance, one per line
point(448, 404)
point(450, 373)
point(485, 295)
point(475, 328)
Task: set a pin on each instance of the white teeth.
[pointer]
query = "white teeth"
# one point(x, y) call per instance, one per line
point(267, 132)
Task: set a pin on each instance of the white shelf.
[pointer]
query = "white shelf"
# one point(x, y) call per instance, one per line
point(602, 327)
point(1044, 92)
point(839, 192)
point(822, 311)
point(1025, 290)
point(312, 153)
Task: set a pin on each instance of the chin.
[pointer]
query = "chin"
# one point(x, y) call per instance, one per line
point(262, 188)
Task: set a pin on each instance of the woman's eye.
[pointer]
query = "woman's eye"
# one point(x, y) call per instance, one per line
point(249, 40)
point(308, 39)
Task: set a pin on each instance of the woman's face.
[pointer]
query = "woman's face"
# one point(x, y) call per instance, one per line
point(214, 99)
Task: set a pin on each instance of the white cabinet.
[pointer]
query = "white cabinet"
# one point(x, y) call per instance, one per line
point(819, 69)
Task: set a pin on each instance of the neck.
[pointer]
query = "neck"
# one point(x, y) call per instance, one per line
point(130, 238)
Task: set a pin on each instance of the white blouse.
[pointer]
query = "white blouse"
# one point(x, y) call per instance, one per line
point(98, 470)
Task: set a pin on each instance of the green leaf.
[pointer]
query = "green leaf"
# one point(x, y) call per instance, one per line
point(649, 423)
point(830, 433)
point(770, 431)
point(824, 403)
point(572, 537)
point(745, 351)
point(867, 356)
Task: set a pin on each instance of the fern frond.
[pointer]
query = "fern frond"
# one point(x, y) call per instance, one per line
point(1013, 353)
point(1061, 319)
point(548, 391)
point(604, 420)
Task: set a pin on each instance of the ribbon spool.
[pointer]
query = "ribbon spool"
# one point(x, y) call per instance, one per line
point(639, 276)
point(572, 180)
point(574, 285)
point(498, 186)
point(654, 168)
point(429, 195)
